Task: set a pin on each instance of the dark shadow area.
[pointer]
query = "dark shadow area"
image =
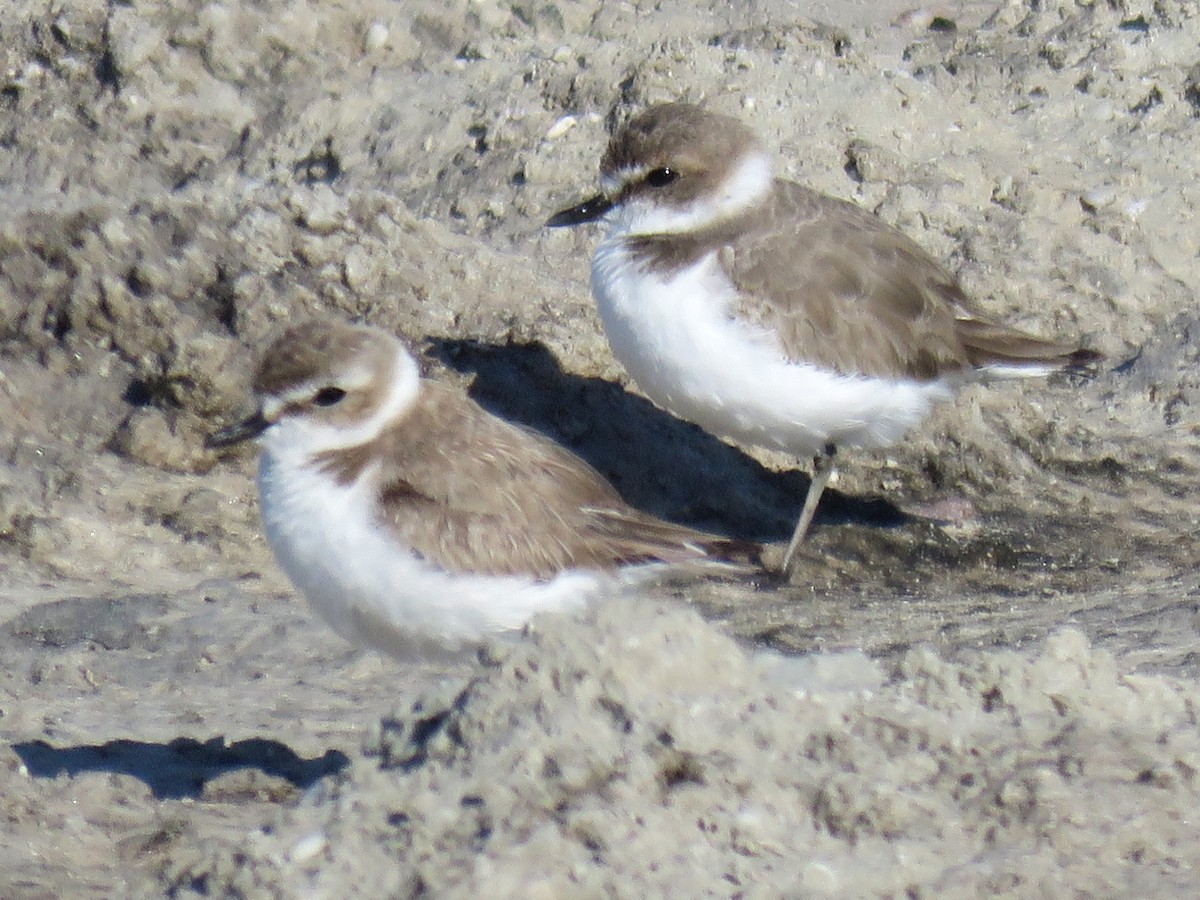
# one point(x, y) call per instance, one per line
point(660, 464)
point(111, 623)
point(179, 768)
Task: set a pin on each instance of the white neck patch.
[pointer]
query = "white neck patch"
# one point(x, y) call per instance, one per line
point(748, 182)
point(305, 437)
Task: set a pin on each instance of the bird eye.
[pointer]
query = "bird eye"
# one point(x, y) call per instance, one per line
point(661, 176)
point(329, 396)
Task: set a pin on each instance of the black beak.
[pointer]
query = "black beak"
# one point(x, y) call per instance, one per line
point(588, 211)
point(245, 430)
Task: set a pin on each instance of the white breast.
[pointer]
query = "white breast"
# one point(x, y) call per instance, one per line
point(373, 591)
point(678, 341)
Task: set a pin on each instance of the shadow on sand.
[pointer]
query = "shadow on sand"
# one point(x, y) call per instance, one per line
point(179, 768)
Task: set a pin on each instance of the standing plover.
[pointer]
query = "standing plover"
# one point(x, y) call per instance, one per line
point(413, 520)
point(770, 314)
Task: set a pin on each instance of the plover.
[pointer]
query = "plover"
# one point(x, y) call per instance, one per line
point(416, 522)
point(773, 315)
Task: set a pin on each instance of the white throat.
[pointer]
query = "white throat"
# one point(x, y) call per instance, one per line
point(745, 185)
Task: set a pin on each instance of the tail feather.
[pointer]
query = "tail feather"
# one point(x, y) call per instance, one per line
point(1001, 349)
point(734, 551)
point(1083, 361)
point(641, 538)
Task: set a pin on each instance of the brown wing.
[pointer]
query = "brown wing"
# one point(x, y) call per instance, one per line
point(848, 292)
point(474, 493)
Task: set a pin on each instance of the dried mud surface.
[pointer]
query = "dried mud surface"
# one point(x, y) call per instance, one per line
point(985, 683)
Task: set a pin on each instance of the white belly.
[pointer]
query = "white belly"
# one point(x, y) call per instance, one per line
point(678, 341)
point(377, 593)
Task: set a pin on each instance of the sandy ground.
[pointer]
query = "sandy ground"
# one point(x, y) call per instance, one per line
point(984, 685)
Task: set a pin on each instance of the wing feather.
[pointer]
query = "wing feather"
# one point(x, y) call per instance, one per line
point(473, 493)
point(848, 292)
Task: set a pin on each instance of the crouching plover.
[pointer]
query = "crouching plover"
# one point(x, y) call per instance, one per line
point(414, 521)
point(770, 314)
